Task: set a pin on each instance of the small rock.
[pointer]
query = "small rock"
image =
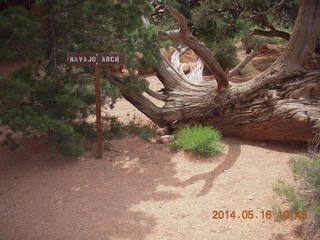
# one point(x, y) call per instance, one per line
point(166, 138)
point(153, 140)
point(250, 198)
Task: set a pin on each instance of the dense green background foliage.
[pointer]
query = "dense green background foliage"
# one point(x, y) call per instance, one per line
point(21, 34)
point(51, 100)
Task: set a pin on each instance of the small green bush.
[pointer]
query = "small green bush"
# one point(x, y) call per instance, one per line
point(246, 69)
point(307, 196)
point(142, 130)
point(284, 189)
point(225, 53)
point(199, 139)
point(249, 42)
point(112, 128)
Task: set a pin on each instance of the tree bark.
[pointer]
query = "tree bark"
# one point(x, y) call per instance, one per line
point(272, 33)
point(282, 103)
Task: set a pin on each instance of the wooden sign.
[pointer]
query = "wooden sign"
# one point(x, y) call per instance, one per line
point(96, 59)
point(84, 59)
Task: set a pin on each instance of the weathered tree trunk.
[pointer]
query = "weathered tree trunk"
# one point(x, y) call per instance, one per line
point(282, 103)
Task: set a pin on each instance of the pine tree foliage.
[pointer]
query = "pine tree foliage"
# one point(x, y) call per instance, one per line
point(20, 32)
point(49, 99)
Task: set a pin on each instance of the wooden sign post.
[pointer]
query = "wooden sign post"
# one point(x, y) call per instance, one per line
point(96, 60)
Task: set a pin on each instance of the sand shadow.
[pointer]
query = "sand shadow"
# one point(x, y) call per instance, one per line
point(86, 198)
point(209, 177)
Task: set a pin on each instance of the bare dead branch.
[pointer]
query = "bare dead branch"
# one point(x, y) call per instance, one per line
point(196, 75)
point(243, 63)
point(271, 33)
point(173, 35)
point(261, 19)
point(175, 58)
point(180, 19)
point(169, 76)
point(156, 95)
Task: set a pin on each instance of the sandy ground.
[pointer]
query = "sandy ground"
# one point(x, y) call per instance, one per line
point(142, 191)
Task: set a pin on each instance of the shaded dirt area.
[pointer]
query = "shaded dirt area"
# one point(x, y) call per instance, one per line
point(142, 190)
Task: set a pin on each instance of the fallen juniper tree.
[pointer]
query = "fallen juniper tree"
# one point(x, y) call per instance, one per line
point(282, 103)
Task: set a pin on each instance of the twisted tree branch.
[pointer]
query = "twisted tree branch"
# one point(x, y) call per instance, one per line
point(139, 101)
point(156, 95)
point(184, 36)
point(261, 19)
point(271, 33)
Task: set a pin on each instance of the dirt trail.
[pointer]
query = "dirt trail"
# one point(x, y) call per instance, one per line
point(142, 191)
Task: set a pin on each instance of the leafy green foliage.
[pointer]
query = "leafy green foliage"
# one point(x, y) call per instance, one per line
point(276, 209)
point(249, 42)
point(215, 21)
point(307, 197)
point(144, 131)
point(112, 128)
point(49, 106)
point(102, 26)
point(204, 140)
point(289, 192)
point(211, 27)
point(308, 170)
point(136, 84)
point(21, 35)
point(246, 69)
point(226, 54)
point(57, 104)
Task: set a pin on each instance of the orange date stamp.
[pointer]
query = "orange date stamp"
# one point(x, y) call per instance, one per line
point(264, 214)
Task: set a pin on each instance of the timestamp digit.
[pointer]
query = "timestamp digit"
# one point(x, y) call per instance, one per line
point(302, 214)
point(266, 214)
point(250, 214)
point(233, 214)
point(215, 214)
point(221, 214)
point(285, 214)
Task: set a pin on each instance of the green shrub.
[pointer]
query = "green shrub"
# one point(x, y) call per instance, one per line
point(225, 53)
point(284, 189)
point(204, 140)
point(246, 69)
point(307, 195)
point(249, 42)
point(144, 131)
point(276, 209)
point(112, 128)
